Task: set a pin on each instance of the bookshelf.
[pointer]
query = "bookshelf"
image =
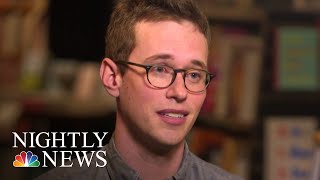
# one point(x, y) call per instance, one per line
point(290, 103)
point(233, 28)
point(18, 20)
point(40, 105)
point(249, 15)
point(275, 102)
point(271, 102)
point(7, 6)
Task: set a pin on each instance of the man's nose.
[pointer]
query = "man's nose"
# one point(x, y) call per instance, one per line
point(177, 89)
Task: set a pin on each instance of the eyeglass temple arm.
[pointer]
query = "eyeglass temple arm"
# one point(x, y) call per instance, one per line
point(127, 62)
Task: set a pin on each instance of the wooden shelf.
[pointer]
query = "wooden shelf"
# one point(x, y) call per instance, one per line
point(317, 138)
point(232, 129)
point(295, 103)
point(243, 15)
point(44, 104)
point(9, 6)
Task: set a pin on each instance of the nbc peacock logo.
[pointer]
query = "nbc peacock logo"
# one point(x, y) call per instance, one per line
point(26, 159)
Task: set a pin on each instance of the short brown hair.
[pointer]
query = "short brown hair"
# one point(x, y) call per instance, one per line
point(120, 37)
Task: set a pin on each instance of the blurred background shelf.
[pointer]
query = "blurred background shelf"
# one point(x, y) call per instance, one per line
point(291, 103)
point(49, 77)
point(10, 6)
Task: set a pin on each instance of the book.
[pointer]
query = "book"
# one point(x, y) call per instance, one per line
point(10, 33)
point(316, 165)
point(34, 49)
point(213, 58)
point(296, 58)
point(316, 159)
point(289, 147)
point(306, 5)
point(239, 68)
point(226, 4)
point(216, 147)
point(10, 24)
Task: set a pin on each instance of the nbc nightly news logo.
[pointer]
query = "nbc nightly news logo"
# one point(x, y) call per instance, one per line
point(57, 140)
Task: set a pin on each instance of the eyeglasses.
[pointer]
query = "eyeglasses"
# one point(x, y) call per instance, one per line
point(162, 76)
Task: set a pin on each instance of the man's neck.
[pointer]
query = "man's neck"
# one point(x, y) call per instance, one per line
point(148, 164)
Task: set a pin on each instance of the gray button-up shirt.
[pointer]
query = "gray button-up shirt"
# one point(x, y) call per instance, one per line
point(191, 168)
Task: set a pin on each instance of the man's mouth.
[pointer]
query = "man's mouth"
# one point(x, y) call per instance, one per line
point(173, 115)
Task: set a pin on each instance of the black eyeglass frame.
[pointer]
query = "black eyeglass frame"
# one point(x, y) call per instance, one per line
point(209, 75)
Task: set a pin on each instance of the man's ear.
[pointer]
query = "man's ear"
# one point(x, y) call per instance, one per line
point(110, 76)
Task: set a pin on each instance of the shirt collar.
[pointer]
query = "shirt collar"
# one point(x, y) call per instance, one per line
point(185, 164)
point(118, 169)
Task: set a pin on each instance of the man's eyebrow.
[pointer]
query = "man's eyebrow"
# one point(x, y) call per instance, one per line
point(168, 56)
point(199, 63)
point(158, 56)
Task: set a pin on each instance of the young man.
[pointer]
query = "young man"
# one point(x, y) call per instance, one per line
point(156, 68)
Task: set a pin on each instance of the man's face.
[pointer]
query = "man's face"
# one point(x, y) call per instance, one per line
point(162, 116)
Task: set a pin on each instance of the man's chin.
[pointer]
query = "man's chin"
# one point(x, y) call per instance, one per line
point(163, 146)
point(161, 141)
